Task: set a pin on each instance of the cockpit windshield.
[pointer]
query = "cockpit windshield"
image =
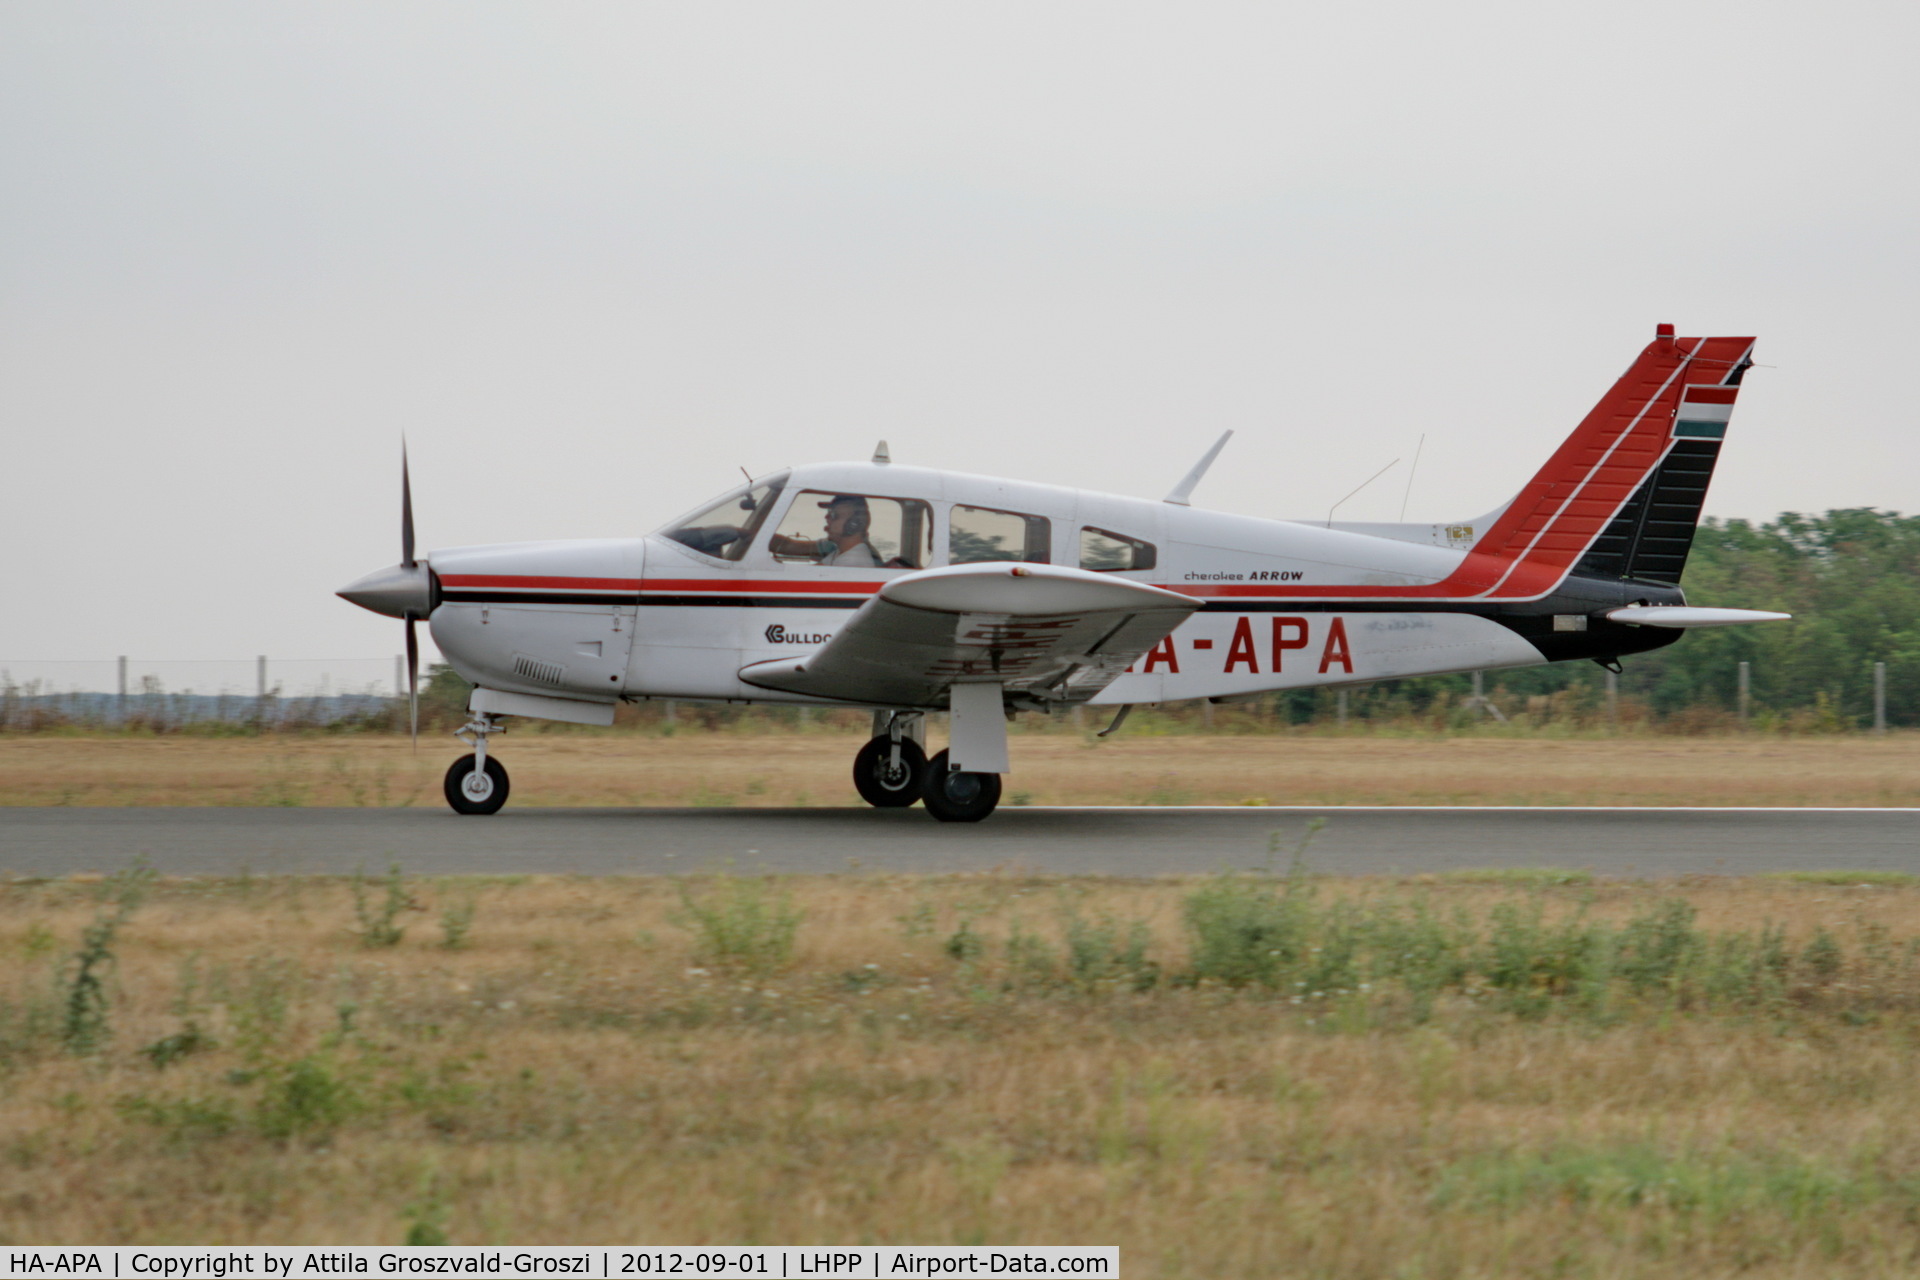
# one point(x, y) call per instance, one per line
point(726, 528)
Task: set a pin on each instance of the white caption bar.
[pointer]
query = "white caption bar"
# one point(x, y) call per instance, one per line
point(770, 1262)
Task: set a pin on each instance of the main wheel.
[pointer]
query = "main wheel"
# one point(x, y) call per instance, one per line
point(471, 790)
point(959, 797)
point(883, 784)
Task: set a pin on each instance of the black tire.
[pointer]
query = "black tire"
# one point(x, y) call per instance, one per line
point(879, 784)
point(486, 794)
point(959, 797)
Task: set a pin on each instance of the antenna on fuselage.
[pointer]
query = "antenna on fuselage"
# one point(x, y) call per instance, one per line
point(1363, 484)
point(880, 453)
point(1184, 490)
point(1411, 472)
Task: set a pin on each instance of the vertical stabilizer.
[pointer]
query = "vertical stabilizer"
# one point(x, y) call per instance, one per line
point(1621, 496)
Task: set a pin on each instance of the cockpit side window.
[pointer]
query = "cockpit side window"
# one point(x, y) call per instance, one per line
point(854, 531)
point(979, 534)
point(726, 529)
point(1106, 552)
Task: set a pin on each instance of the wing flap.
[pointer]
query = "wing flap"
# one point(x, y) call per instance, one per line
point(1048, 632)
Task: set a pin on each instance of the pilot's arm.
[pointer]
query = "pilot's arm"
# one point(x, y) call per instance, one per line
point(812, 548)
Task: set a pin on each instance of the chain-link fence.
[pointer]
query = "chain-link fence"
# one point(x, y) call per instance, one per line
point(169, 694)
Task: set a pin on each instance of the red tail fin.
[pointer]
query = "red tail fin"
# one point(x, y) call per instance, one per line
point(1610, 457)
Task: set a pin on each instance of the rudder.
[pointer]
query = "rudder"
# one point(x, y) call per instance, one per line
point(1621, 496)
point(1650, 538)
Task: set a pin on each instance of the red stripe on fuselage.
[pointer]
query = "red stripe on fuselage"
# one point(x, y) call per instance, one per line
point(529, 583)
point(761, 586)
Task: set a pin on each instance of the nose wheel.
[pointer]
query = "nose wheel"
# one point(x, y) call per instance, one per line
point(890, 773)
point(477, 783)
point(473, 786)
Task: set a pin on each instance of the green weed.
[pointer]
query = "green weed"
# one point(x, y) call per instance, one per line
point(84, 1026)
point(379, 925)
point(1032, 961)
point(1727, 1185)
point(746, 923)
point(38, 941)
point(1104, 954)
point(308, 1097)
point(1518, 877)
point(426, 1217)
point(167, 1050)
point(456, 922)
point(1878, 879)
point(964, 944)
point(181, 1119)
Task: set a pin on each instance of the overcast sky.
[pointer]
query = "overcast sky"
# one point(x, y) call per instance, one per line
point(593, 259)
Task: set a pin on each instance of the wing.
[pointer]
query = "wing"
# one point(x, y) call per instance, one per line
point(1050, 633)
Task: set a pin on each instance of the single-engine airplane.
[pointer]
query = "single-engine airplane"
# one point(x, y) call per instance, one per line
point(907, 590)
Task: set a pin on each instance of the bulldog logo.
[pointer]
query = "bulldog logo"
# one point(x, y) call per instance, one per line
point(777, 634)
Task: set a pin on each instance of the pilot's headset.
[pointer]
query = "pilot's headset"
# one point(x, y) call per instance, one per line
point(859, 515)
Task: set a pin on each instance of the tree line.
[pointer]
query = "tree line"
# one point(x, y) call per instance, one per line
point(1851, 580)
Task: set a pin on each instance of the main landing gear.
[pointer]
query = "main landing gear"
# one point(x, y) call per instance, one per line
point(892, 771)
point(956, 796)
point(477, 783)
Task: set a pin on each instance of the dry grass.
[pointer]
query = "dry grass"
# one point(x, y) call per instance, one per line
point(579, 1072)
point(812, 768)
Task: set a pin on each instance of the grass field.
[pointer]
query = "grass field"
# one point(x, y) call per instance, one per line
point(812, 769)
point(1505, 1074)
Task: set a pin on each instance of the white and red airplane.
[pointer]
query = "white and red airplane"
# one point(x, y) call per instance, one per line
point(908, 590)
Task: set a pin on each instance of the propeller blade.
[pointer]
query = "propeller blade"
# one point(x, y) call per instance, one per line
point(406, 510)
point(413, 680)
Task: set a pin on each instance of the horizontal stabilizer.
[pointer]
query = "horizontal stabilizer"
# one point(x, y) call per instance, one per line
point(1642, 615)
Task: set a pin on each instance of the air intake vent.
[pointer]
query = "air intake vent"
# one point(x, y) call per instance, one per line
point(534, 669)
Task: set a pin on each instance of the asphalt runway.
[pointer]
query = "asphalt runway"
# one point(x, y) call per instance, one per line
point(1078, 841)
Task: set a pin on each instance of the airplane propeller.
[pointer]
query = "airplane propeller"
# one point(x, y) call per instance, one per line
point(409, 617)
point(405, 592)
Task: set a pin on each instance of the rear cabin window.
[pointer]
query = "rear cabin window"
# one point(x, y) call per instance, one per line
point(854, 531)
point(1104, 551)
point(977, 534)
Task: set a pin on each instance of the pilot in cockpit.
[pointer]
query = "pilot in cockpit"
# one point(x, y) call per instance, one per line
point(846, 544)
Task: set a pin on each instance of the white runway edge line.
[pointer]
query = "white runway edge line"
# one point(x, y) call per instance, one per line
point(712, 1262)
point(1321, 809)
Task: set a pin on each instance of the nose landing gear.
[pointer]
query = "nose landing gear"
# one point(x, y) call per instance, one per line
point(477, 783)
point(890, 771)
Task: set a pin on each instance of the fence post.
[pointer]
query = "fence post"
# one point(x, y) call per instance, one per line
point(1206, 714)
point(1879, 697)
point(1340, 704)
point(120, 703)
point(1482, 702)
point(1746, 692)
point(1613, 699)
point(399, 675)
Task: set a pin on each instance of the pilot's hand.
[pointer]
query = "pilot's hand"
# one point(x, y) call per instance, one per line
point(710, 538)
